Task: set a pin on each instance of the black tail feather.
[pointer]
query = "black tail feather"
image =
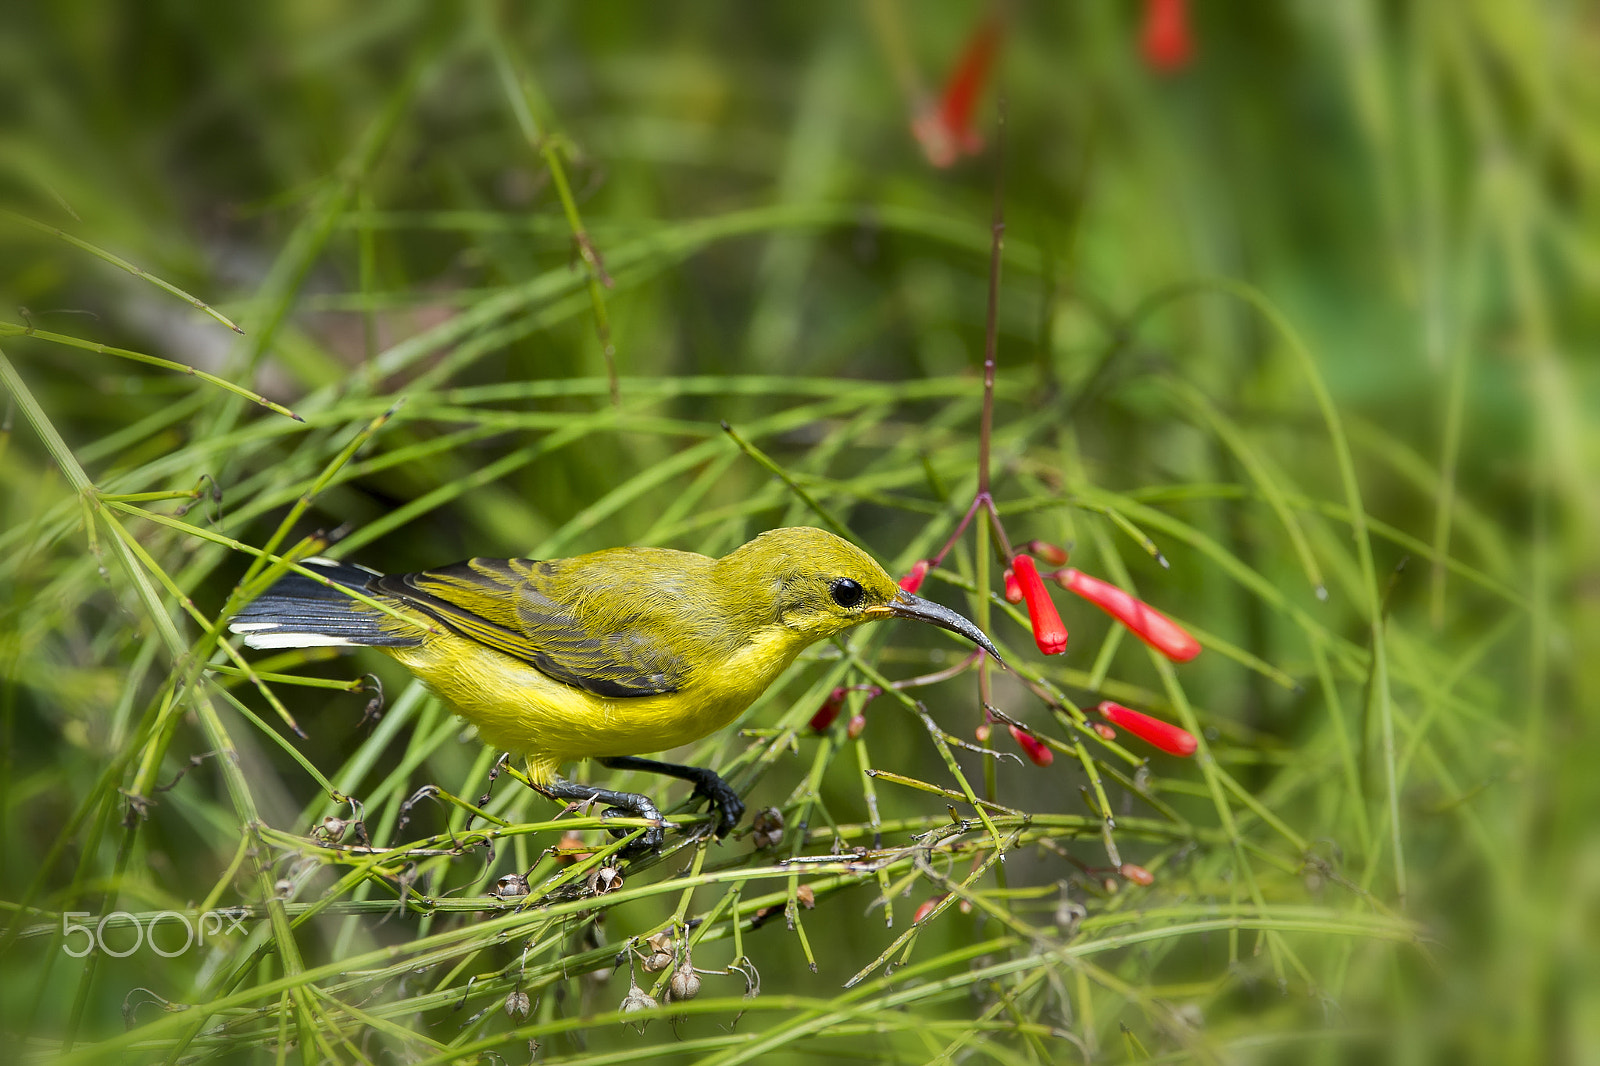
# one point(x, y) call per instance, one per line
point(298, 612)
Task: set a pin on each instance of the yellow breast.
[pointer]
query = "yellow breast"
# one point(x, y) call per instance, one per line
point(518, 709)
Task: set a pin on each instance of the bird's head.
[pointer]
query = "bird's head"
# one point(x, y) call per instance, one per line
point(823, 585)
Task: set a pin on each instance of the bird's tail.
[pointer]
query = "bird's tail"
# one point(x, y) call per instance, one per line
point(298, 612)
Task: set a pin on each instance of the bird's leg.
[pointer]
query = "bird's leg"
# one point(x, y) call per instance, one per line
point(627, 802)
point(724, 800)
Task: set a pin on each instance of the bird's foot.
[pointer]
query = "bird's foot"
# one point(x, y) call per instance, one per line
point(650, 840)
point(726, 805)
point(618, 805)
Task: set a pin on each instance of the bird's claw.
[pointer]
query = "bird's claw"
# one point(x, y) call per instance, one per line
point(650, 840)
point(725, 804)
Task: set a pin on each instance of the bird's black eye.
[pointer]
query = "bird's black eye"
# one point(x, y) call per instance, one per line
point(846, 593)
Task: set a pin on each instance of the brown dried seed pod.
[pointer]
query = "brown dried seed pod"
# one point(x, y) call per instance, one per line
point(1069, 913)
point(636, 1000)
point(685, 983)
point(661, 953)
point(767, 828)
point(604, 879)
point(807, 896)
point(518, 1005)
point(511, 886)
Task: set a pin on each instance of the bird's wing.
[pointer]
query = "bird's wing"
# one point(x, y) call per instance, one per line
point(514, 606)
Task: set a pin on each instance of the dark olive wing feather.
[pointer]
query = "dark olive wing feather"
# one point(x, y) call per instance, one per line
point(512, 605)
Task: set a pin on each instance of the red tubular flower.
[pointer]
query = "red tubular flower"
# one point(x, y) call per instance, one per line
point(828, 711)
point(945, 129)
point(1034, 748)
point(1136, 873)
point(1147, 623)
point(913, 581)
point(1054, 554)
point(1165, 38)
point(927, 908)
point(1174, 740)
point(1013, 587)
point(1048, 631)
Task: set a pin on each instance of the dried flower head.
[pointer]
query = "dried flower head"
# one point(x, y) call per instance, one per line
point(637, 1000)
point(331, 830)
point(685, 983)
point(511, 886)
point(603, 879)
point(661, 954)
point(767, 828)
point(1069, 914)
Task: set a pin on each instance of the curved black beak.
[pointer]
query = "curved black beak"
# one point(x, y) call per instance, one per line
point(905, 605)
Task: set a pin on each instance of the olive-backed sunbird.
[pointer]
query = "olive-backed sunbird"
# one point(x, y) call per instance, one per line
point(607, 655)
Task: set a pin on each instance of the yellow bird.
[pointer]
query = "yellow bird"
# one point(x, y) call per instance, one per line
point(607, 655)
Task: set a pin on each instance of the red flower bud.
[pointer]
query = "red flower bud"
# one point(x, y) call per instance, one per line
point(1034, 748)
point(1146, 623)
point(1013, 587)
point(1171, 739)
point(1137, 874)
point(1054, 554)
point(927, 908)
point(1048, 631)
point(828, 711)
point(856, 726)
point(1105, 731)
point(945, 130)
point(913, 581)
point(1165, 38)
point(982, 733)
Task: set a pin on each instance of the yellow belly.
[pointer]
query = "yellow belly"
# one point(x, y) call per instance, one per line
point(518, 709)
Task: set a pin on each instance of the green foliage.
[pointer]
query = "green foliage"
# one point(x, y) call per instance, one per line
point(1300, 317)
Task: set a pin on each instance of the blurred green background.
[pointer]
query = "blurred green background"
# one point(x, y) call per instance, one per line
point(1312, 306)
